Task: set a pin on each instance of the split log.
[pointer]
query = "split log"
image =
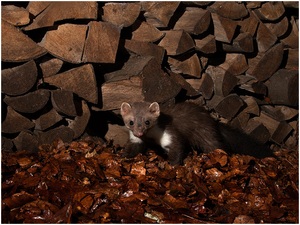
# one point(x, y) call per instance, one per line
point(280, 28)
point(270, 11)
point(147, 33)
point(252, 106)
point(57, 11)
point(20, 79)
point(63, 102)
point(224, 28)
point(118, 134)
point(231, 10)
point(113, 92)
point(29, 103)
point(194, 21)
point(60, 133)
point(78, 125)
point(252, 85)
point(206, 45)
point(16, 46)
point(265, 64)
point(281, 132)
point(51, 67)
point(292, 39)
point(227, 107)
point(14, 15)
point(280, 113)
point(249, 24)
point(121, 14)
point(145, 49)
point(101, 43)
point(47, 120)
point(242, 43)
point(235, 64)
point(292, 59)
point(26, 141)
point(159, 13)
point(66, 43)
point(240, 121)
point(189, 66)
point(265, 38)
point(223, 81)
point(15, 122)
point(283, 87)
point(177, 42)
point(80, 80)
point(257, 130)
point(185, 84)
point(36, 7)
point(204, 85)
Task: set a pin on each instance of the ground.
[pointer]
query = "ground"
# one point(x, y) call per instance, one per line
point(89, 182)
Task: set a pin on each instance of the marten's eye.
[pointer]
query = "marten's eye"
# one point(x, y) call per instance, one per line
point(131, 122)
point(147, 122)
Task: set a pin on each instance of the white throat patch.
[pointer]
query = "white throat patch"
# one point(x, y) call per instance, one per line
point(165, 140)
point(134, 139)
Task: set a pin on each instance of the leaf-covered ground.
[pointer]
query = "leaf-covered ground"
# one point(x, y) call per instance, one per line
point(87, 182)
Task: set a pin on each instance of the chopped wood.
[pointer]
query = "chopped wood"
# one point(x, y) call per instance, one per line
point(252, 85)
point(187, 65)
point(221, 105)
point(265, 64)
point(265, 38)
point(280, 28)
point(242, 43)
point(15, 122)
point(224, 28)
point(270, 11)
point(16, 46)
point(118, 134)
point(184, 83)
point(235, 64)
point(20, 79)
point(292, 39)
point(253, 4)
point(223, 81)
point(36, 7)
point(159, 13)
point(60, 133)
point(101, 43)
point(80, 122)
point(252, 106)
point(80, 80)
point(121, 14)
point(29, 103)
point(51, 67)
point(249, 24)
point(240, 121)
point(281, 132)
point(231, 10)
point(47, 120)
point(292, 59)
point(283, 87)
point(113, 92)
point(177, 42)
point(14, 15)
point(206, 86)
point(145, 49)
point(66, 43)
point(206, 45)
point(63, 102)
point(194, 21)
point(280, 112)
point(26, 140)
point(270, 123)
point(147, 33)
point(257, 130)
point(56, 11)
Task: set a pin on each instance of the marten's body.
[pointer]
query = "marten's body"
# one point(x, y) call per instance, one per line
point(180, 128)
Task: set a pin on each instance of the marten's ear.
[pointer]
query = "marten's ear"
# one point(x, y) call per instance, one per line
point(154, 109)
point(125, 108)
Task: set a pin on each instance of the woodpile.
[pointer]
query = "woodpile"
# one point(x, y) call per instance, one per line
point(68, 66)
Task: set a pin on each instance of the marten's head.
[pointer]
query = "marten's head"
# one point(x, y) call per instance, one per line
point(139, 117)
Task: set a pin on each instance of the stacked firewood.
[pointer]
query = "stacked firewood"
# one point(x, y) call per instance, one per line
point(66, 65)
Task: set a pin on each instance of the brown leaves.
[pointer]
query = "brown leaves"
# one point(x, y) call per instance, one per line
point(86, 182)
